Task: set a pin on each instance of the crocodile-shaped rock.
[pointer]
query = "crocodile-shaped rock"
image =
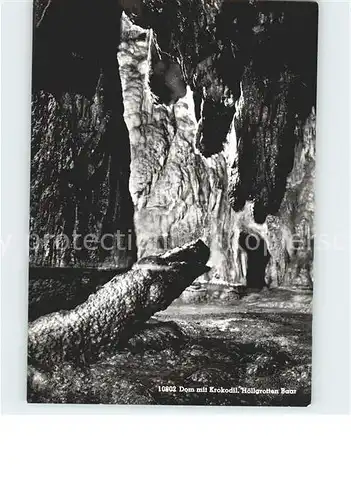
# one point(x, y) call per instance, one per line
point(86, 333)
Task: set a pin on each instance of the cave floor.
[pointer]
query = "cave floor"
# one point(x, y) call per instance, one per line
point(267, 336)
point(255, 351)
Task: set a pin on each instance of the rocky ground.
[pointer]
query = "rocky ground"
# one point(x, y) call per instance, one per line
point(253, 346)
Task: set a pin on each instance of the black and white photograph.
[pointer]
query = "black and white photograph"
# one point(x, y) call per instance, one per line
point(173, 165)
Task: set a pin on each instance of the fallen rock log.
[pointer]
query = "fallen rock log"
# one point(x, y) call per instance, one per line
point(85, 334)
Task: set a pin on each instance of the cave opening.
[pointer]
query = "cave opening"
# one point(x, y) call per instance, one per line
point(258, 257)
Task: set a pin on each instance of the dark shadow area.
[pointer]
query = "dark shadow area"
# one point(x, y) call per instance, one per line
point(257, 259)
point(214, 127)
point(55, 289)
point(74, 41)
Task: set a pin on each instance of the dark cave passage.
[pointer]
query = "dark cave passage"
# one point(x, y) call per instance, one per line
point(257, 259)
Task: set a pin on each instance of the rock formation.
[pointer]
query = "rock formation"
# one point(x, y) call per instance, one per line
point(95, 328)
point(219, 101)
point(173, 121)
point(80, 144)
point(234, 156)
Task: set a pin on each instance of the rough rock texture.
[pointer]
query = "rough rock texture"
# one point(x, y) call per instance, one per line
point(94, 328)
point(261, 342)
point(234, 156)
point(80, 145)
point(221, 121)
point(192, 119)
point(176, 194)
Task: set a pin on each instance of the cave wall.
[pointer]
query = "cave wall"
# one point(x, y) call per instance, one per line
point(167, 130)
point(80, 146)
point(234, 154)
